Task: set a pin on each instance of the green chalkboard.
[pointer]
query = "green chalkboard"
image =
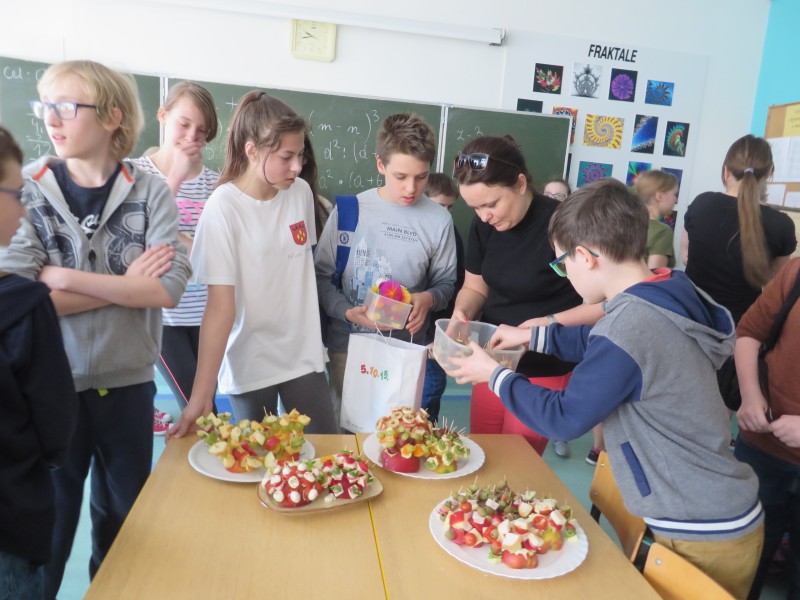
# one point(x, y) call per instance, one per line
point(342, 131)
point(544, 140)
point(18, 87)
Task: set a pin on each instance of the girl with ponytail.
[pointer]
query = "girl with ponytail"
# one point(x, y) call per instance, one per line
point(733, 243)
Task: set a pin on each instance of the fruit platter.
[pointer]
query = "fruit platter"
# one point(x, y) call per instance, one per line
point(406, 442)
point(240, 451)
point(320, 484)
point(507, 533)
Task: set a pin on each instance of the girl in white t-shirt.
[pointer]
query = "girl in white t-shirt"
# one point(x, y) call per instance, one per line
point(189, 119)
point(260, 330)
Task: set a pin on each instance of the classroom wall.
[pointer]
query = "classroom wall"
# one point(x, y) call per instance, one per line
point(153, 37)
point(777, 80)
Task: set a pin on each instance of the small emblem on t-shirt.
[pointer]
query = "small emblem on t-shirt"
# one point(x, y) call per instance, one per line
point(299, 233)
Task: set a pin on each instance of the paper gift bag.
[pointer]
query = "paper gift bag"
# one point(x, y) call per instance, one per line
point(381, 373)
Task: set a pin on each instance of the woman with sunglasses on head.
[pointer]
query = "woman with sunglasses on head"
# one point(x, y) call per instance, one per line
point(508, 278)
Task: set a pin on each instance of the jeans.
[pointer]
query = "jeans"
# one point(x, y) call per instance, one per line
point(114, 440)
point(19, 579)
point(433, 388)
point(779, 492)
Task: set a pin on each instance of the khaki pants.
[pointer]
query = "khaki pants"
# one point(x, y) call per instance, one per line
point(731, 563)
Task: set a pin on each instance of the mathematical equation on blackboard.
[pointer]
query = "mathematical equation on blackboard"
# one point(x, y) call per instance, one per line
point(19, 82)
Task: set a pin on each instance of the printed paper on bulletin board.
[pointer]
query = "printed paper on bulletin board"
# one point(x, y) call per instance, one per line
point(634, 105)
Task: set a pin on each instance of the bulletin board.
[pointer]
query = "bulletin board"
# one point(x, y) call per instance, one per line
point(633, 108)
point(783, 133)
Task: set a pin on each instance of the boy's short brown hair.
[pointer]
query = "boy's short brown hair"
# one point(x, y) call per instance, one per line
point(441, 184)
point(603, 216)
point(406, 133)
point(202, 100)
point(108, 89)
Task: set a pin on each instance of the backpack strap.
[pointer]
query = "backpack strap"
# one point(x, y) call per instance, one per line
point(780, 318)
point(347, 207)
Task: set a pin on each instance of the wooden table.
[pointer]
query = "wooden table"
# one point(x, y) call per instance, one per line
point(415, 565)
point(189, 536)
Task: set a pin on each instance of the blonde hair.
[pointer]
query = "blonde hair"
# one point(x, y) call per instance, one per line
point(749, 161)
point(649, 183)
point(108, 90)
point(201, 98)
point(260, 119)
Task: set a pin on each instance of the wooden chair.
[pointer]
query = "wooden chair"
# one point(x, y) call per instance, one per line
point(607, 500)
point(675, 578)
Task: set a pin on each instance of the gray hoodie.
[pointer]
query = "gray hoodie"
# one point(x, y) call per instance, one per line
point(113, 346)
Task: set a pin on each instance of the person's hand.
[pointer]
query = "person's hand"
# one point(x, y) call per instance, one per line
point(507, 337)
point(421, 305)
point(357, 315)
point(187, 423)
point(787, 429)
point(153, 262)
point(537, 322)
point(476, 368)
point(752, 414)
point(187, 157)
point(54, 277)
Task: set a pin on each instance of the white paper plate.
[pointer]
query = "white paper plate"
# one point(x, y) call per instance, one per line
point(211, 466)
point(552, 564)
point(464, 466)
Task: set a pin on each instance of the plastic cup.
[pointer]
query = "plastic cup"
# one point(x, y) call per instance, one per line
point(452, 340)
point(386, 311)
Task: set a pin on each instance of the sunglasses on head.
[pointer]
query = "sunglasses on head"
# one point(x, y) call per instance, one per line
point(477, 161)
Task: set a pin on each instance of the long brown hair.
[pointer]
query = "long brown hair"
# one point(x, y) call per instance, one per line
point(260, 119)
point(309, 175)
point(749, 160)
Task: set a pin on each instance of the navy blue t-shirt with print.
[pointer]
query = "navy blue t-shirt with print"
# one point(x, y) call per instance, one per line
point(86, 204)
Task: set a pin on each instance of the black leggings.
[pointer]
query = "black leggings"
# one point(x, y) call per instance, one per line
point(178, 361)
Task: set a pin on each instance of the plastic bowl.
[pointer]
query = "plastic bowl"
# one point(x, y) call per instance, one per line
point(452, 341)
point(386, 311)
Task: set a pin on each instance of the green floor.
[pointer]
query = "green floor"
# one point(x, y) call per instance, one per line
point(573, 471)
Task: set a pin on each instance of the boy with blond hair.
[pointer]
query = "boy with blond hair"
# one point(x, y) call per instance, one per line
point(103, 235)
point(401, 234)
point(656, 395)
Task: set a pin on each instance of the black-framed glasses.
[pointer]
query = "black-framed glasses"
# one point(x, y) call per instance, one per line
point(17, 193)
point(65, 111)
point(559, 265)
point(477, 161)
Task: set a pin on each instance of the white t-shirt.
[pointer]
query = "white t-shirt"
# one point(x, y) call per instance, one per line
point(263, 249)
point(191, 199)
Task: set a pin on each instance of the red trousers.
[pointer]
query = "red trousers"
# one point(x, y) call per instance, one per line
point(488, 414)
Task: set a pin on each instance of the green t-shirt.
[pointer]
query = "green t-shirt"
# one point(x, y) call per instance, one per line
point(659, 241)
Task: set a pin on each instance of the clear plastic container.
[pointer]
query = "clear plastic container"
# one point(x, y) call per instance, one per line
point(386, 311)
point(453, 340)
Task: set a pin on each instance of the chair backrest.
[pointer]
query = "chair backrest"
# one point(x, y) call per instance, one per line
point(607, 500)
point(675, 578)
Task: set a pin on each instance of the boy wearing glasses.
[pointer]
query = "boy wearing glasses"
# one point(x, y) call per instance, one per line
point(401, 235)
point(103, 235)
point(647, 371)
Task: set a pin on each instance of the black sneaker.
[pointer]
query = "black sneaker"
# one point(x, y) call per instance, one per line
point(592, 457)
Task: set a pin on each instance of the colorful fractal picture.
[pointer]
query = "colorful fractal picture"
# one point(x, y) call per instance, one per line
point(568, 112)
point(670, 219)
point(634, 170)
point(592, 171)
point(644, 134)
point(586, 80)
point(676, 139)
point(548, 78)
point(659, 92)
point(622, 86)
point(525, 105)
point(678, 173)
point(603, 132)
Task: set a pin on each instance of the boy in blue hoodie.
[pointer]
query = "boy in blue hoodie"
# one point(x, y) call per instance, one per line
point(647, 372)
point(38, 402)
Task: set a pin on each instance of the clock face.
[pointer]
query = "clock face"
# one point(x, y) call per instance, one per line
point(313, 40)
